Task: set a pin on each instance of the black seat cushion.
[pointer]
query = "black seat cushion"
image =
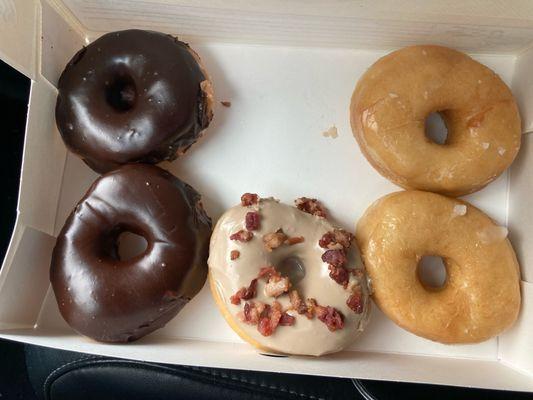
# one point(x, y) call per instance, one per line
point(61, 375)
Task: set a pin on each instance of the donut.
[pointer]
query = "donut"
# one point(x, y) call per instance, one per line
point(133, 96)
point(285, 279)
point(393, 98)
point(481, 295)
point(111, 299)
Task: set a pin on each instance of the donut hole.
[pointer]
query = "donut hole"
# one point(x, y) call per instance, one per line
point(292, 267)
point(121, 93)
point(435, 128)
point(432, 272)
point(130, 245)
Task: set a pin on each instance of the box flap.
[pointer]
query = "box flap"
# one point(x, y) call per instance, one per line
point(25, 279)
point(43, 160)
point(470, 25)
point(523, 88)
point(19, 26)
point(61, 39)
point(365, 365)
point(520, 213)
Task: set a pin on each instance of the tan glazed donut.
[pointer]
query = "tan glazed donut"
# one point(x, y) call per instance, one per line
point(285, 279)
point(393, 98)
point(481, 295)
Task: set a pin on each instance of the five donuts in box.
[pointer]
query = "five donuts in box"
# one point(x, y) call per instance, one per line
point(280, 272)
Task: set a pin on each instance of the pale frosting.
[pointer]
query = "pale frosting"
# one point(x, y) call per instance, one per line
point(306, 336)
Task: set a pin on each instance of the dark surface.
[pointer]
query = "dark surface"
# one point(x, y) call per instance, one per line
point(131, 96)
point(59, 375)
point(14, 94)
point(14, 382)
point(119, 300)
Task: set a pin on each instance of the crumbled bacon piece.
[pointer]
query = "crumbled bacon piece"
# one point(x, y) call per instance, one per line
point(339, 275)
point(274, 240)
point(268, 272)
point(335, 257)
point(296, 302)
point(252, 312)
point(269, 319)
point(337, 239)
point(242, 236)
point(311, 306)
point(226, 103)
point(327, 241)
point(249, 199)
point(310, 206)
point(355, 301)
point(277, 285)
point(265, 327)
point(245, 293)
point(252, 220)
point(333, 318)
point(234, 254)
point(294, 240)
point(287, 319)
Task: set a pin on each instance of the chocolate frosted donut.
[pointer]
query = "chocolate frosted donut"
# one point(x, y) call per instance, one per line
point(133, 96)
point(114, 300)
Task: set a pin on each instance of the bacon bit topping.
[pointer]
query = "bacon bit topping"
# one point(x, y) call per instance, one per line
point(226, 103)
point(355, 302)
point(274, 240)
point(333, 318)
point(294, 240)
point(269, 319)
point(311, 305)
point(310, 206)
point(252, 220)
point(245, 293)
point(337, 239)
point(234, 254)
point(242, 236)
point(249, 199)
point(252, 312)
point(287, 319)
point(339, 275)
point(276, 286)
point(336, 258)
point(268, 272)
point(266, 317)
point(297, 303)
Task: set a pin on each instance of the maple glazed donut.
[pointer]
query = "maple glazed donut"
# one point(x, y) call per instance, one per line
point(133, 96)
point(285, 279)
point(111, 299)
point(481, 295)
point(395, 95)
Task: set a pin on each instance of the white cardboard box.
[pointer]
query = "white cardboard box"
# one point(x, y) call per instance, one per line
point(288, 68)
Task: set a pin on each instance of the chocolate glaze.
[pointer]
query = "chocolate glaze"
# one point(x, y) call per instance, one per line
point(132, 96)
point(115, 300)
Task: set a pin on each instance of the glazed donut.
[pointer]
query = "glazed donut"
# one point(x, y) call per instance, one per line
point(133, 96)
point(114, 300)
point(481, 295)
point(285, 279)
point(393, 98)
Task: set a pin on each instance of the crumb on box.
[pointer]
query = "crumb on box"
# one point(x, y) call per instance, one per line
point(331, 132)
point(226, 103)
